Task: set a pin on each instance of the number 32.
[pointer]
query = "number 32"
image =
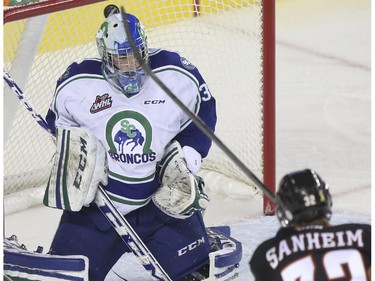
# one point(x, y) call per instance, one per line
point(333, 264)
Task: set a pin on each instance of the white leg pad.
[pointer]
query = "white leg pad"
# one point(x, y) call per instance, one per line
point(224, 262)
point(21, 263)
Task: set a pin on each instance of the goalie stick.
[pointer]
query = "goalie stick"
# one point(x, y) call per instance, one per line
point(117, 220)
point(194, 117)
point(14, 87)
point(130, 237)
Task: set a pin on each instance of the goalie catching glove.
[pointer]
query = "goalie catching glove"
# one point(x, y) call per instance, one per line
point(181, 192)
point(79, 165)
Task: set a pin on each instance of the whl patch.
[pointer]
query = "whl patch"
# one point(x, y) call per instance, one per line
point(101, 103)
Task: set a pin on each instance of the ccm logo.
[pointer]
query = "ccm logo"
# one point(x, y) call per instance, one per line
point(154, 101)
point(191, 246)
point(82, 163)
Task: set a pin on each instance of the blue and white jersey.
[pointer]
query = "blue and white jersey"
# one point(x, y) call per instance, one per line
point(136, 129)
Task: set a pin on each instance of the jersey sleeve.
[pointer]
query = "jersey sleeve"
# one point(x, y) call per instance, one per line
point(58, 115)
point(259, 266)
point(201, 102)
point(367, 244)
point(66, 90)
point(204, 106)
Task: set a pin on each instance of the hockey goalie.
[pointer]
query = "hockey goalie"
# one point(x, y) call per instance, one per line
point(115, 127)
point(178, 198)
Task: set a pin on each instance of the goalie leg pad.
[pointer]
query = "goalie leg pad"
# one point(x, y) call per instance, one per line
point(79, 233)
point(21, 263)
point(79, 165)
point(224, 258)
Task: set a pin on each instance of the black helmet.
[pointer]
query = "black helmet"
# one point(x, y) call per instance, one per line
point(302, 197)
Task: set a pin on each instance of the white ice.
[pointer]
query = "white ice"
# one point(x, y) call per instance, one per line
point(323, 101)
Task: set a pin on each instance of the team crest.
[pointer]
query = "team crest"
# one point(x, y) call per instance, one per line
point(101, 102)
point(129, 136)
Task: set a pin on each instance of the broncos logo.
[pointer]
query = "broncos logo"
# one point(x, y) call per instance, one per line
point(125, 138)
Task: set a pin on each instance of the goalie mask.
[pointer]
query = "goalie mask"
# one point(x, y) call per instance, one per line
point(302, 197)
point(120, 67)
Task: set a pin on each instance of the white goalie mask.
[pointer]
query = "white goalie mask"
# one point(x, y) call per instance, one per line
point(120, 66)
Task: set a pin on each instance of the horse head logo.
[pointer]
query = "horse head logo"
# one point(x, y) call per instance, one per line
point(133, 136)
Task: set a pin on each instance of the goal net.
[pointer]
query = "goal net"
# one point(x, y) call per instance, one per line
point(230, 41)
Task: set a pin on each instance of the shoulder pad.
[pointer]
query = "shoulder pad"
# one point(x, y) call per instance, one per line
point(162, 58)
point(87, 66)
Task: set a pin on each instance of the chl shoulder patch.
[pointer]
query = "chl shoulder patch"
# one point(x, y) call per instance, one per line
point(187, 64)
point(65, 74)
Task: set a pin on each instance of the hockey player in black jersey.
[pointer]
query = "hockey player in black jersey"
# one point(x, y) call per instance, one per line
point(307, 247)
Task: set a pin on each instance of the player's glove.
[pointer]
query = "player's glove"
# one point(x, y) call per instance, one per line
point(181, 192)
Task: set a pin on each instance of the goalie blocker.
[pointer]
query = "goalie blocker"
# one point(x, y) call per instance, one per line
point(79, 165)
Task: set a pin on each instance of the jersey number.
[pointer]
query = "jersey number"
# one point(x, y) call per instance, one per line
point(205, 92)
point(337, 264)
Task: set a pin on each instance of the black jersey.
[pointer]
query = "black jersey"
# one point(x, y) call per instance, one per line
point(341, 252)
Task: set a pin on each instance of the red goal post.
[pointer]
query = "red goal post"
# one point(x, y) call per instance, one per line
point(232, 42)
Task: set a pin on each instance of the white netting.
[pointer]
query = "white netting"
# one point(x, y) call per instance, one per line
point(224, 42)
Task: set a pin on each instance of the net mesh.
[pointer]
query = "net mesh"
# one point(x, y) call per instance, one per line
point(222, 38)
